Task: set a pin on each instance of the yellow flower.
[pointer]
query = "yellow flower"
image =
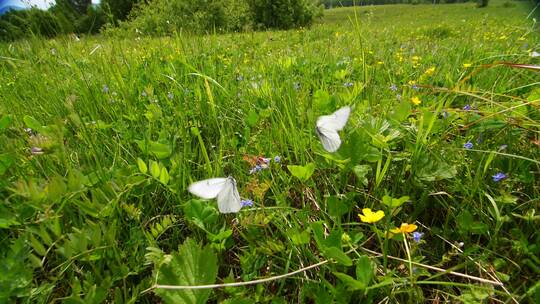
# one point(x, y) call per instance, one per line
point(415, 100)
point(430, 71)
point(405, 228)
point(371, 217)
point(467, 65)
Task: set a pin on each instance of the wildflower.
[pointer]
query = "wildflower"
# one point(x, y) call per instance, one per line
point(239, 78)
point(417, 236)
point(36, 151)
point(415, 87)
point(534, 54)
point(461, 244)
point(296, 86)
point(404, 228)
point(105, 88)
point(246, 203)
point(170, 95)
point(468, 145)
point(348, 84)
point(371, 217)
point(445, 114)
point(416, 101)
point(144, 94)
point(398, 96)
point(503, 147)
point(277, 159)
point(467, 65)
point(499, 177)
point(430, 71)
point(255, 169)
point(467, 107)
point(393, 87)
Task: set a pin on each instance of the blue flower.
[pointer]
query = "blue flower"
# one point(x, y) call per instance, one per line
point(417, 236)
point(170, 95)
point(246, 203)
point(348, 84)
point(468, 145)
point(467, 107)
point(415, 87)
point(105, 89)
point(445, 114)
point(255, 169)
point(277, 159)
point(393, 87)
point(498, 177)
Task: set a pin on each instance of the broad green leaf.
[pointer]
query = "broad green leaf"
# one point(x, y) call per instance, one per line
point(143, 168)
point(394, 202)
point(164, 176)
point(155, 169)
point(303, 173)
point(252, 118)
point(153, 148)
point(338, 207)
point(297, 237)
point(5, 122)
point(338, 255)
point(361, 171)
point(364, 270)
point(192, 265)
point(32, 123)
point(350, 282)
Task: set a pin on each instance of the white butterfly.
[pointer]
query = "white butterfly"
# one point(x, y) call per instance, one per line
point(224, 189)
point(328, 127)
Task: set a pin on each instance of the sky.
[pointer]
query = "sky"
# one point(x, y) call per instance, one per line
point(44, 4)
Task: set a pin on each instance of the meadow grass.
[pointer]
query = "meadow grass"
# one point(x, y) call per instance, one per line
point(94, 197)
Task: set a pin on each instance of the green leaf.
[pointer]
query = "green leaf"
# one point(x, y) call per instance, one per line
point(5, 122)
point(394, 202)
point(297, 237)
point(153, 148)
point(338, 207)
point(321, 100)
point(143, 168)
point(303, 173)
point(191, 265)
point(6, 161)
point(32, 123)
point(155, 169)
point(252, 118)
point(338, 255)
point(361, 171)
point(164, 176)
point(364, 270)
point(349, 281)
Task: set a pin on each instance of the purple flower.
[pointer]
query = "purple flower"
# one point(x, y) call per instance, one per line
point(468, 145)
point(417, 236)
point(415, 87)
point(445, 114)
point(277, 159)
point(265, 160)
point(348, 84)
point(105, 89)
point(467, 107)
point(393, 87)
point(36, 151)
point(498, 177)
point(246, 203)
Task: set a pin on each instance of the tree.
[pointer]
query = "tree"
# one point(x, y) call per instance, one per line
point(120, 9)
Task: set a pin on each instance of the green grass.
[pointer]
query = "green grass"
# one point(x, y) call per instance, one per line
point(85, 222)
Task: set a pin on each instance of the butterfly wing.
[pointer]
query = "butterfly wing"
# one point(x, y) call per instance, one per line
point(208, 188)
point(228, 199)
point(329, 139)
point(335, 121)
point(328, 127)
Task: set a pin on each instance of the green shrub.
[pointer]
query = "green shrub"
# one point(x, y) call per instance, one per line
point(284, 14)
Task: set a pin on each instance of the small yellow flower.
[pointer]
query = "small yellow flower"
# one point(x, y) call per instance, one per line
point(430, 71)
point(371, 217)
point(405, 228)
point(467, 65)
point(416, 101)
